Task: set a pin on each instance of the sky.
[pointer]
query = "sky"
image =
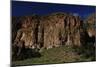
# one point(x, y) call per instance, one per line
point(20, 8)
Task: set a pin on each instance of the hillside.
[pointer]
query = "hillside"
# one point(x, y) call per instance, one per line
point(54, 38)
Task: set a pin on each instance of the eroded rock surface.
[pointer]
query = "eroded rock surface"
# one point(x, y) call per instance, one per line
point(49, 31)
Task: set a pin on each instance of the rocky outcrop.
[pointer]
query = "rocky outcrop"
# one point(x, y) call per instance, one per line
point(90, 21)
point(27, 33)
point(73, 30)
point(53, 28)
point(48, 31)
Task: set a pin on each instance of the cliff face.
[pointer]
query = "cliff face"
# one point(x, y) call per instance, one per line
point(26, 32)
point(48, 31)
point(91, 22)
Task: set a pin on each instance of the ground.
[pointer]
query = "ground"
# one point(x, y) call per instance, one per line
point(61, 54)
